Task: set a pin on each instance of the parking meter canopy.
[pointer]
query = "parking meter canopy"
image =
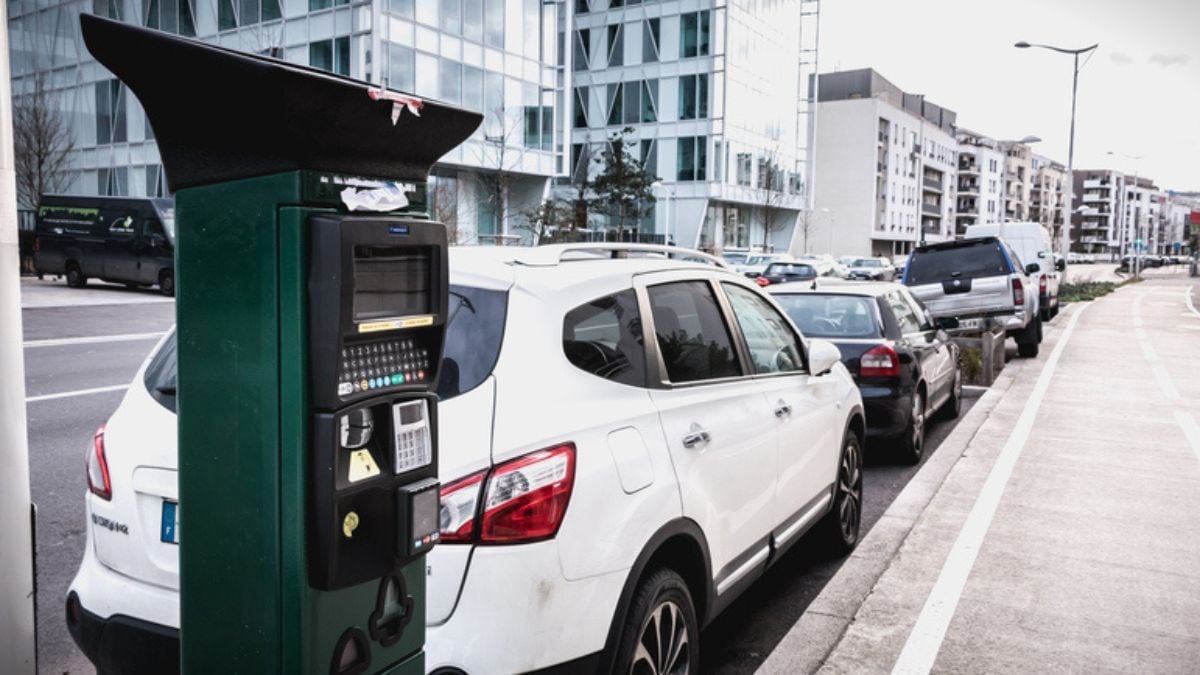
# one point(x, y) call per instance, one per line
point(221, 115)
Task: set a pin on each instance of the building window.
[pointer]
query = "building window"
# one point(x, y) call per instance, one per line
point(450, 81)
point(649, 101)
point(427, 11)
point(472, 20)
point(110, 9)
point(650, 38)
point(614, 104)
point(113, 182)
point(650, 156)
point(472, 88)
point(155, 183)
point(400, 67)
point(581, 108)
point(693, 34)
point(693, 97)
point(332, 55)
point(493, 23)
point(583, 49)
point(744, 167)
point(313, 5)
point(110, 112)
point(616, 45)
point(177, 16)
point(582, 7)
point(450, 16)
point(691, 157)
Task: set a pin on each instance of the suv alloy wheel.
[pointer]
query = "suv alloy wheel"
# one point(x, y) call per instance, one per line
point(661, 634)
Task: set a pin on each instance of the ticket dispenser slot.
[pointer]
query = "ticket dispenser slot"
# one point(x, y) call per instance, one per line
point(374, 497)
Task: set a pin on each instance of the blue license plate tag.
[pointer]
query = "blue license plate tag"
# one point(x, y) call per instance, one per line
point(170, 522)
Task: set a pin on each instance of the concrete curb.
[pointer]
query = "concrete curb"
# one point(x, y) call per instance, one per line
point(811, 640)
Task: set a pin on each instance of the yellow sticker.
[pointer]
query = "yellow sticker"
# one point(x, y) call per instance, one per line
point(362, 466)
point(396, 324)
point(350, 524)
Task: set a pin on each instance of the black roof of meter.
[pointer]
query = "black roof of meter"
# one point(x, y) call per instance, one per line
point(221, 114)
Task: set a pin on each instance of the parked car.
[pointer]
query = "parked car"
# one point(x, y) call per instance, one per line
point(906, 367)
point(757, 262)
point(977, 281)
point(785, 272)
point(899, 263)
point(120, 239)
point(735, 256)
point(1032, 244)
point(826, 265)
point(671, 471)
point(872, 269)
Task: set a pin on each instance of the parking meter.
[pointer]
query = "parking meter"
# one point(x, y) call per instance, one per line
point(311, 305)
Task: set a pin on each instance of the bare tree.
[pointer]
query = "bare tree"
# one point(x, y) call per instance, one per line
point(772, 187)
point(806, 225)
point(443, 197)
point(497, 178)
point(42, 144)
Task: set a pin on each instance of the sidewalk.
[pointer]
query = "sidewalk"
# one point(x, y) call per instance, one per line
point(1066, 534)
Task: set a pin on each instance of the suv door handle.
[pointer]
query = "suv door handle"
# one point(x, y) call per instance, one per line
point(696, 437)
point(782, 409)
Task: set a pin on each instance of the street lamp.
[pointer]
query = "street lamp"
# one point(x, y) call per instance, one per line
point(1137, 220)
point(1065, 242)
point(1004, 147)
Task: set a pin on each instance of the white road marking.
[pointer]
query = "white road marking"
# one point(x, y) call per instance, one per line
point(925, 640)
point(61, 342)
point(77, 392)
point(1190, 430)
point(1191, 306)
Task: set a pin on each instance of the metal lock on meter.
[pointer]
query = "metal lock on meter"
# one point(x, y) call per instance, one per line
point(377, 306)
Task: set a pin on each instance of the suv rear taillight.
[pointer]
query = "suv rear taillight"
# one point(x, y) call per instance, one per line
point(1018, 293)
point(881, 361)
point(460, 503)
point(1042, 285)
point(524, 500)
point(97, 468)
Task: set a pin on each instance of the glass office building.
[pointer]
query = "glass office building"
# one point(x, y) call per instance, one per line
point(496, 56)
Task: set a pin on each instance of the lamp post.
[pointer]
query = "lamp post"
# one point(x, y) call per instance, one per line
point(1065, 242)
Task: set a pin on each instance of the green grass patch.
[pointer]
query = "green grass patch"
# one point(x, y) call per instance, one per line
point(1083, 292)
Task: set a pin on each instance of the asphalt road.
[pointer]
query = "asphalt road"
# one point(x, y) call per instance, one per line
point(61, 428)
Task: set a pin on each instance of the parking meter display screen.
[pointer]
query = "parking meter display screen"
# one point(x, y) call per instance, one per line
point(391, 281)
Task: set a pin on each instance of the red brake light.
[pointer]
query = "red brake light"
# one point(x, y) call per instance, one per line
point(762, 281)
point(460, 503)
point(97, 468)
point(1042, 285)
point(526, 498)
point(881, 361)
point(1018, 292)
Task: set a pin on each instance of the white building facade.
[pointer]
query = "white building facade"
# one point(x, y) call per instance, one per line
point(980, 172)
point(499, 57)
point(887, 168)
point(710, 90)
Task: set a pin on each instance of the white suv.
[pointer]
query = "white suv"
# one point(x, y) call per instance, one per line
point(600, 490)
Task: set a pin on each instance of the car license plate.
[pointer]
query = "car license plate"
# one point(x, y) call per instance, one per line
point(170, 522)
point(970, 324)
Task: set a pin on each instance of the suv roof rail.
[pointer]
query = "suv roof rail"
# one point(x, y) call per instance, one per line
point(553, 254)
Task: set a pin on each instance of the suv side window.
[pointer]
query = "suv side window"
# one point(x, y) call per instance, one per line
point(774, 347)
point(904, 313)
point(692, 336)
point(604, 338)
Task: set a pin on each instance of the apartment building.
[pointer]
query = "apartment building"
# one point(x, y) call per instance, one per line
point(1018, 180)
point(711, 92)
point(1098, 211)
point(887, 164)
point(498, 57)
point(1047, 197)
point(980, 172)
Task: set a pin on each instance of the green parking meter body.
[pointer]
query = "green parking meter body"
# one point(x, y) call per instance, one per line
point(309, 339)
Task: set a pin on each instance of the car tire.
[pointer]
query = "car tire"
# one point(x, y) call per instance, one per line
point(75, 276)
point(841, 526)
point(952, 408)
point(166, 283)
point(1027, 344)
point(662, 607)
point(912, 441)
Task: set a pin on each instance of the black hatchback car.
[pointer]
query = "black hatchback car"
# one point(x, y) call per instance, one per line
point(905, 365)
point(784, 272)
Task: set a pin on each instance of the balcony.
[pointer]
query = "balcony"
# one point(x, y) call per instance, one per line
point(1094, 197)
point(1092, 183)
point(968, 187)
point(931, 210)
point(934, 184)
point(1094, 240)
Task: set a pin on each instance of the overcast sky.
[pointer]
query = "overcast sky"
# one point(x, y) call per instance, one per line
point(1138, 95)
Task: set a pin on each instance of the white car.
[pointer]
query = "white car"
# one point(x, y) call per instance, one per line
point(654, 479)
point(826, 265)
point(755, 263)
point(873, 269)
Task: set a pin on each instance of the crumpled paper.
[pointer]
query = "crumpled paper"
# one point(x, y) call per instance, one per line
point(387, 198)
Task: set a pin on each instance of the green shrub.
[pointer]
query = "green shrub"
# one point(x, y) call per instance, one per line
point(1083, 292)
point(971, 362)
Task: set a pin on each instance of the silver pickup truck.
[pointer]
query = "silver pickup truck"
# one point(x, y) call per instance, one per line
point(977, 281)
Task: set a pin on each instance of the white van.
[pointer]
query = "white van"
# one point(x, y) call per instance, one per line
point(1031, 242)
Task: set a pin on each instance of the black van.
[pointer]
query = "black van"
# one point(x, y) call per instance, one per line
point(127, 240)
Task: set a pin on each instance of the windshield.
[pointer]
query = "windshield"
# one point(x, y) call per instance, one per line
point(869, 262)
point(734, 258)
point(830, 316)
point(969, 260)
point(791, 269)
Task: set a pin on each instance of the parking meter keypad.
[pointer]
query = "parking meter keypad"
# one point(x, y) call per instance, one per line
point(381, 364)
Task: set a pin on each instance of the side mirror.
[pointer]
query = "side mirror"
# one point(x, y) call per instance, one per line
point(1061, 265)
point(822, 356)
point(1032, 268)
point(947, 323)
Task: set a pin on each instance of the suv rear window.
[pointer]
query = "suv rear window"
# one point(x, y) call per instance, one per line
point(830, 316)
point(604, 338)
point(969, 260)
point(161, 373)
